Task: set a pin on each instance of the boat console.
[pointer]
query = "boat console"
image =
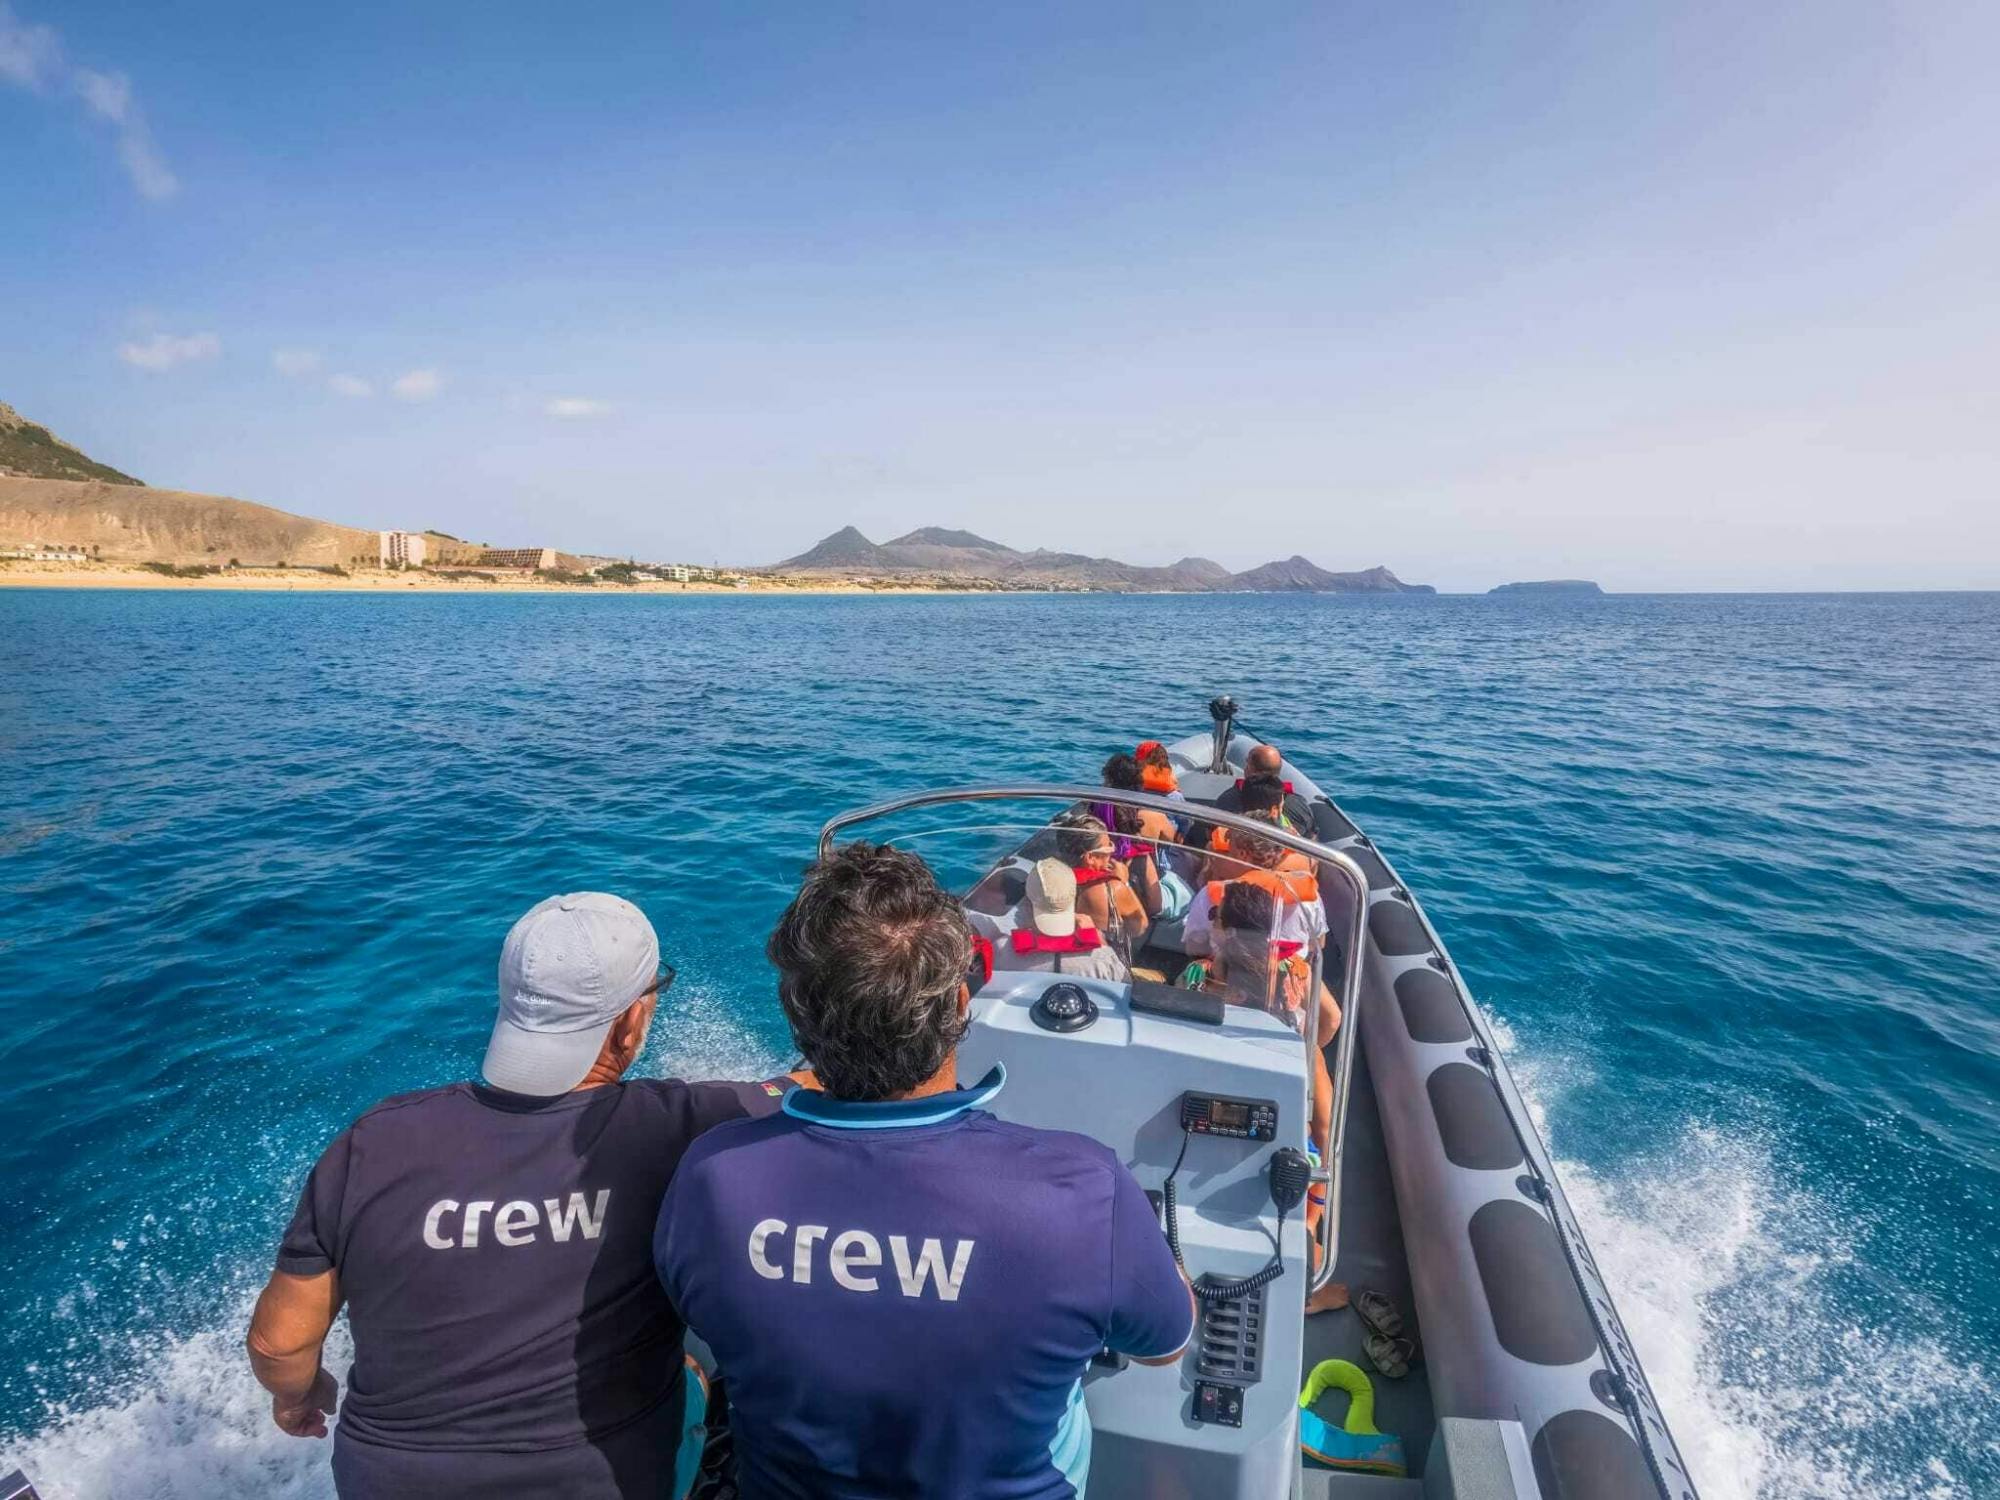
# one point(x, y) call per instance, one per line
point(1221, 1101)
point(1208, 1103)
point(1521, 1381)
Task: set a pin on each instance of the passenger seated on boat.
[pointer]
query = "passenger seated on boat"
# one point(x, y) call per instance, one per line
point(904, 1291)
point(1156, 770)
point(1300, 919)
point(1048, 937)
point(1248, 966)
point(1262, 798)
point(1298, 925)
point(1266, 760)
point(1140, 832)
point(1244, 966)
point(1121, 773)
point(1120, 897)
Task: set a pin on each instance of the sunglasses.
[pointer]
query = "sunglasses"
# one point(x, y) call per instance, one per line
point(664, 981)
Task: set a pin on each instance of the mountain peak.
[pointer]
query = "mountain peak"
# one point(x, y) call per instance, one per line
point(945, 552)
point(1300, 575)
point(845, 548)
point(945, 536)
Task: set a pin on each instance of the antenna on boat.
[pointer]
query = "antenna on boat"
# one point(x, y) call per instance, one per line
point(1223, 710)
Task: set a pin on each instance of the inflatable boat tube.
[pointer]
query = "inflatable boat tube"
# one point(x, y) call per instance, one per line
point(1516, 1320)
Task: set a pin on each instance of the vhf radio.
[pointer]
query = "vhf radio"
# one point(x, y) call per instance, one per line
point(1243, 1119)
point(1290, 1174)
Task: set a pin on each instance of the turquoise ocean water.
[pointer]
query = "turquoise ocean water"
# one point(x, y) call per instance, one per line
point(1725, 871)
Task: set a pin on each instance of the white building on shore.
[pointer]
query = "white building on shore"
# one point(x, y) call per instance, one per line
point(403, 549)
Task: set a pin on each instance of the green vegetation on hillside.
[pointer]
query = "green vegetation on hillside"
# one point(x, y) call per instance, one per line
point(37, 453)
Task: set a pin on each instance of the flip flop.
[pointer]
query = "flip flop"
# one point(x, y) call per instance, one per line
point(1379, 1313)
point(1392, 1356)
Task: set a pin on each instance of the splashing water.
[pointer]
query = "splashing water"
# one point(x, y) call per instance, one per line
point(192, 1426)
point(1725, 1274)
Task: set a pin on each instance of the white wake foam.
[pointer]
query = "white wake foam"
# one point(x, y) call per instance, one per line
point(1723, 1273)
point(194, 1427)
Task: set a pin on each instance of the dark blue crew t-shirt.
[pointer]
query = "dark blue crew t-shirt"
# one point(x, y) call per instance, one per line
point(902, 1298)
point(494, 1251)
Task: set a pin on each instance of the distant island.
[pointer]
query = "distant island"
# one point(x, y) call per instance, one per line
point(1549, 586)
point(961, 559)
point(66, 518)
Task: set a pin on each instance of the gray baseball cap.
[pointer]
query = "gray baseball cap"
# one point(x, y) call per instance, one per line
point(567, 970)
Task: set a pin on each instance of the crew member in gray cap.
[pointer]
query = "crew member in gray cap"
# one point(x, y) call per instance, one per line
point(492, 1244)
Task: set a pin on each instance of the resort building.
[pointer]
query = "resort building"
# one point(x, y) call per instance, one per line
point(678, 572)
point(403, 549)
point(526, 559)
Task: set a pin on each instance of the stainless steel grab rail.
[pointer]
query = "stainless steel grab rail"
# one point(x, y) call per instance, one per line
point(1329, 859)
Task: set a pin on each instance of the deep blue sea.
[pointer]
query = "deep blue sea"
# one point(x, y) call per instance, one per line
point(1725, 871)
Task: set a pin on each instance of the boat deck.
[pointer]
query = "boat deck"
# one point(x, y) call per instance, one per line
point(1371, 1255)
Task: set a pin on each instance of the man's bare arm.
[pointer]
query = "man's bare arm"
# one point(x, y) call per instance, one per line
point(287, 1332)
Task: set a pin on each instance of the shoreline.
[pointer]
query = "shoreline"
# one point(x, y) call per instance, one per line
point(32, 575)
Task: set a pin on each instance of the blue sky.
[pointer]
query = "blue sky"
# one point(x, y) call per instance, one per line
point(1690, 296)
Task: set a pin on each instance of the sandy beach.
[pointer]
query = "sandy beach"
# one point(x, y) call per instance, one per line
point(57, 575)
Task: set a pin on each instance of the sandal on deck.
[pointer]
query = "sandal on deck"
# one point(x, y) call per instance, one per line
point(1378, 1313)
point(1392, 1356)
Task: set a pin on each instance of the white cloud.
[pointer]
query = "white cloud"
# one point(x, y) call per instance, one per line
point(165, 350)
point(571, 408)
point(293, 363)
point(109, 97)
point(349, 385)
point(31, 57)
point(107, 94)
point(417, 385)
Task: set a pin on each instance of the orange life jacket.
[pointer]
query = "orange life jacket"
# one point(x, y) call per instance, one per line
point(1158, 780)
point(1086, 876)
point(1290, 886)
point(1218, 840)
point(1083, 940)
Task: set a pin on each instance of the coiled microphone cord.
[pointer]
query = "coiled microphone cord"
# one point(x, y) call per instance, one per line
point(1205, 1289)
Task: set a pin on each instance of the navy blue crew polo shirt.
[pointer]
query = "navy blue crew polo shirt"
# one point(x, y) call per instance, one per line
point(903, 1297)
point(494, 1253)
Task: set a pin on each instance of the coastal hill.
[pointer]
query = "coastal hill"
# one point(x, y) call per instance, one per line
point(941, 552)
point(962, 556)
point(1295, 575)
point(33, 452)
point(127, 522)
point(1549, 586)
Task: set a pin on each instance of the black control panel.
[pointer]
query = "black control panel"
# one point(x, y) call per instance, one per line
point(1229, 1343)
point(1241, 1119)
point(1219, 1404)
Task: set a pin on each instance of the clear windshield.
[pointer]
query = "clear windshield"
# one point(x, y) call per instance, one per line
point(1174, 892)
point(1150, 889)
